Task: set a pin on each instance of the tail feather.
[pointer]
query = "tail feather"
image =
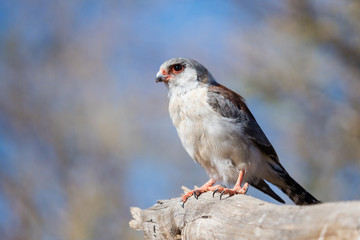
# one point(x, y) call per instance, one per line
point(296, 192)
point(264, 187)
point(290, 187)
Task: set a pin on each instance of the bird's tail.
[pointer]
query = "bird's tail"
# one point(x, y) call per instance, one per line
point(296, 192)
point(292, 189)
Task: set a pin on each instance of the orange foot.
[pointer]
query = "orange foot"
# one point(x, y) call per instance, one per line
point(231, 192)
point(237, 188)
point(208, 186)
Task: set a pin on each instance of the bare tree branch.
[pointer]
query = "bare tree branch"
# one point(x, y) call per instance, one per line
point(244, 217)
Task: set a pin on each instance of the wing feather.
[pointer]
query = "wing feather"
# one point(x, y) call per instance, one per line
point(231, 105)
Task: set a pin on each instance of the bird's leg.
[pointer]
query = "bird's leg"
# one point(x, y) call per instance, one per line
point(208, 186)
point(237, 188)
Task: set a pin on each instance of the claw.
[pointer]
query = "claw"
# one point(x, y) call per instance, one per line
point(195, 194)
point(222, 193)
point(216, 190)
point(182, 204)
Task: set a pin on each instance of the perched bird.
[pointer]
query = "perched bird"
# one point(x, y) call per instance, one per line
point(219, 132)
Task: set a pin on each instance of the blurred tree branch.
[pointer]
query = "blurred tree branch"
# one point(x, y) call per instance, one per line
point(324, 32)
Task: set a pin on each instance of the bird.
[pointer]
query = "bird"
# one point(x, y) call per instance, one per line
point(219, 132)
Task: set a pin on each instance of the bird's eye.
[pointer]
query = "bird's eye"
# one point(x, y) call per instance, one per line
point(178, 68)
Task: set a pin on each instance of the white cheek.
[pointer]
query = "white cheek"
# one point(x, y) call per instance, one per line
point(184, 81)
point(188, 74)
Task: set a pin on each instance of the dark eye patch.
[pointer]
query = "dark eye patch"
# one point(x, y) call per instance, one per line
point(177, 68)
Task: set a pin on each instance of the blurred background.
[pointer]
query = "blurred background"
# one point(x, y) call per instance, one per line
point(85, 131)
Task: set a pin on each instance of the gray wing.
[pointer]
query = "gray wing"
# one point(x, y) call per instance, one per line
point(231, 105)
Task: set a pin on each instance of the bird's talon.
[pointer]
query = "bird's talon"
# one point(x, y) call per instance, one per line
point(196, 194)
point(216, 190)
point(222, 193)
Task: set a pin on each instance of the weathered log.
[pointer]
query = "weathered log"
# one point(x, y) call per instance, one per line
point(244, 217)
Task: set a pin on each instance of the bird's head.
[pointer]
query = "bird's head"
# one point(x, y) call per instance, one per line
point(183, 72)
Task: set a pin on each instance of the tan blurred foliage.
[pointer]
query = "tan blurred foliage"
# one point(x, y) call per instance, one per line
point(69, 128)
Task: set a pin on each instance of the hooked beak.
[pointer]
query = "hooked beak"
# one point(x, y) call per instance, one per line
point(160, 77)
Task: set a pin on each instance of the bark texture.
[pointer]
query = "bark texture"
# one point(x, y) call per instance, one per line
point(244, 217)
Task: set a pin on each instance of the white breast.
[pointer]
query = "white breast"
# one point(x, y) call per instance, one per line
point(215, 142)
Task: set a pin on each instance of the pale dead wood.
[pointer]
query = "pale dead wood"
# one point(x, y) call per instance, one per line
point(244, 217)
